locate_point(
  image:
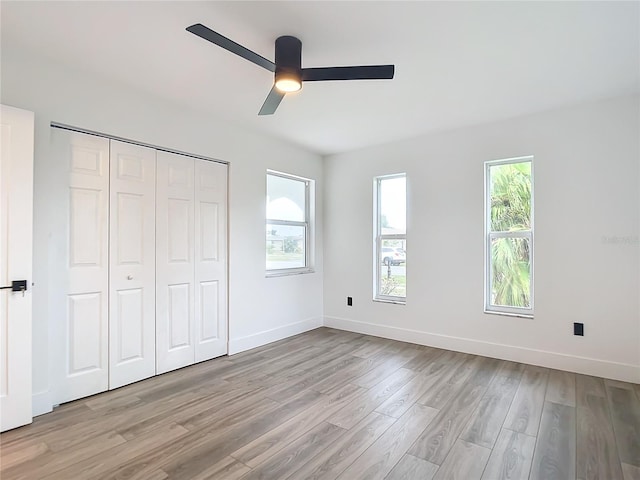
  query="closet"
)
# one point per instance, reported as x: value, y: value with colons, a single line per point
x: 147, y: 257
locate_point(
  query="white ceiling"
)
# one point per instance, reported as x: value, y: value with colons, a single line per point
x: 457, y: 63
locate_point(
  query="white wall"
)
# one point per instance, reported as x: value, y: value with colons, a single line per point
x: 260, y: 309
x: 587, y: 262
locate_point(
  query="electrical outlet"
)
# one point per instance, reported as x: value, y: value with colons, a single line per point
x: 578, y: 329
x: 349, y: 301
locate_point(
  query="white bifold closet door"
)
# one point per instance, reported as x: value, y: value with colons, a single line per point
x: 80, y: 339
x: 147, y: 264
x: 190, y: 261
x: 211, y: 259
x: 132, y: 264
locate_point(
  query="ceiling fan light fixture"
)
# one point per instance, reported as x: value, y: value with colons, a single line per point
x: 288, y: 84
x: 288, y: 74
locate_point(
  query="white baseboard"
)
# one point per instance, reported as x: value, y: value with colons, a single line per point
x: 241, y: 344
x: 589, y: 366
x: 41, y: 403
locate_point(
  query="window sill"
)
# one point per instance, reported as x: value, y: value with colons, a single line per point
x: 286, y: 273
x: 509, y: 314
x: 387, y: 300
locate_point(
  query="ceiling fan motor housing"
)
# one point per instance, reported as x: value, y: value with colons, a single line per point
x: 288, y: 58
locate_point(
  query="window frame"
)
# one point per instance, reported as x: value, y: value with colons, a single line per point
x: 306, y: 224
x: 490, y: 235
x: 379, y: 238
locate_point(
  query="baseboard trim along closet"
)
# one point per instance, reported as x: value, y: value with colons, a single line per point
x: 588, y: 366
x: 41, y: 403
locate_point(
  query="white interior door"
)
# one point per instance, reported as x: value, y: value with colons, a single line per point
x: 132, y: 264
x: 175, y: 333
x: 81, y: 345
x: 210, y: 259
x: 16, y: 237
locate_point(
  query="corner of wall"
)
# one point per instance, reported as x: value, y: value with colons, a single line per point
x: 255, y: 340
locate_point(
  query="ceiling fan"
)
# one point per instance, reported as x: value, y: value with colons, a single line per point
x: 287, y: 68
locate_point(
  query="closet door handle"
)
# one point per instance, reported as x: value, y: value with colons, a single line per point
x: 16, y: 286
x: 129, y: 277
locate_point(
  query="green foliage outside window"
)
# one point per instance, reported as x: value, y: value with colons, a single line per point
x: 511, y: 212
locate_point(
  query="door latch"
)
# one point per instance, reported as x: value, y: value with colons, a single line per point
x: 17, y: 286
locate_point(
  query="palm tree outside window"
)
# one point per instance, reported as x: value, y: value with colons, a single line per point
x: 509, y: 236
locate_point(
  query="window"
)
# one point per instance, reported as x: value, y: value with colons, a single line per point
x: 509, y: 236
x: 391, y: 238
x: 287, y: 240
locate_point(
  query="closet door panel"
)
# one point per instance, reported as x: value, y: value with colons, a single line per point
x: 174, y: 262
x: 130, y: 329
x: 209, y: 311
x: 79, y: 345
x: 211, y: 259
x: 132, y: 264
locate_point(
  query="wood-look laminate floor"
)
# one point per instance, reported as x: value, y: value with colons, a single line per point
x: 338, y: 405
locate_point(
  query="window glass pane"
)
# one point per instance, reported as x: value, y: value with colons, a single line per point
x: 393, y: 206
x: 510, y: 197
x: 285, y: 246
x: 511, y: 272
x: 285, y: 199
x: 393, y: 268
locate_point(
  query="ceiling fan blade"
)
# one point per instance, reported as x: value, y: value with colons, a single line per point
x: 365, y: 72
x: 222, y: 41
x: 271, y: 103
